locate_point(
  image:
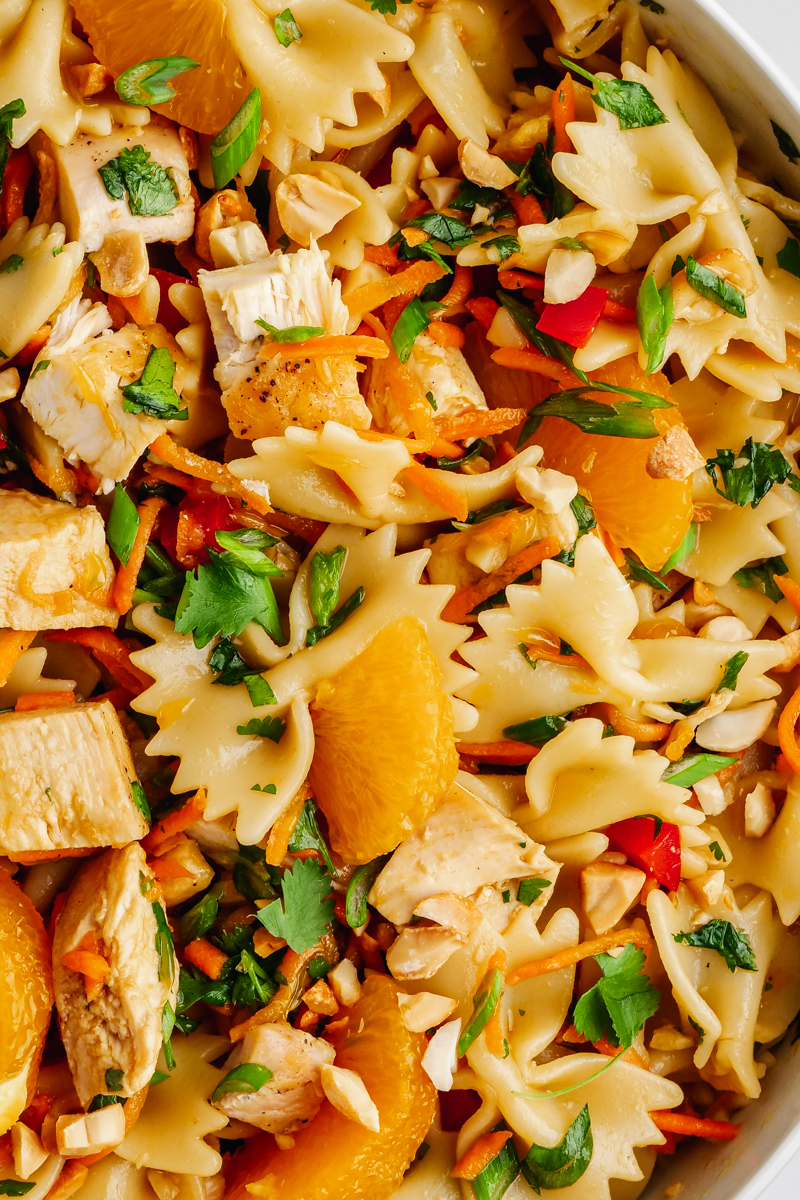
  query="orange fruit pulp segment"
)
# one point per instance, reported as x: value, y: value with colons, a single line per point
x: 334, y: 1158
x: 123, y: 34
x: 27, y: 998
x: 648, y: 516
x: 384, y: 753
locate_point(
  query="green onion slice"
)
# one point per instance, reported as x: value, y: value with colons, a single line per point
x: 146, y: 83
x: 246, y: 1078
x: 484, y: 1004
x: 234, y: 144
x: 123, y: 524
x: 359, y: 888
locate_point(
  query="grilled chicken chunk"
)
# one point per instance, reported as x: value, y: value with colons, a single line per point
x: 438, y: 371
x: 66, y: 777
x: 294, y: 1093
x: 55, y: 569
x: 116, y: 906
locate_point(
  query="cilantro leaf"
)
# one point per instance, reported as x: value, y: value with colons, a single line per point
x: 746, y: 477
x: 731, y: 673
x: 153, y: 393
x: 232, y: 668
x: 761, y: 577
x: 584, y: 515
x: 252, y: 876
x: 789, y: 257
x: 224, y: 597
x: 536, y: 176
x: 268, y: 727
x: 505, y: 245
x: 248, y: 546
x: 786, y: 143
x: 14, y: 1187
x: 714, y: 288
x: 451, y: 231
x: 12, y: 263
x: 653, y: 5
x: 147, y: 82
x: 323, y: 587
x: 564, y: 1164
x: 529, y: 890
x: 306, y: 911
x: 386, y: 6
x: 733, y: 944
x: 306, y: 835
x: 717, y: 851
x: 473, y: 195
x: 8, y: 114
x: 654, y: 314
x: 295, y: 333
x: 620, y: 1002
x: 198, y: 920
x: 114, y: 1079
x: 102, y: 1100
x: 631, y: 103
x: 149, y: 188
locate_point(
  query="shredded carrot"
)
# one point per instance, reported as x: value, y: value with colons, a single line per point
x: 110, y: 652
x: 576, y: 954
x: 477, y: 423
x: 563, y: 107
x: 415, y: 209
x: 405, y: 283
x: 437, y: 491
x: 88, y: 960
x: 781, y: 766
x: 641, y: 731
x: 392, y: 311
x: 325, y: 347
x: 12, y: 644
x: 125, y: 582
x: 504, y: 751
x: 202, y: 954
x: 205, y: 468
x: 672, y: 1122
x: 446, y: 334
x: 612, y: 547
x: 137, y: 308
x: 304, y: 527
x: 480, y: 1154
x: 631, y: 1055
x: 460, y: 288
x: 30, y: 858
x: 538, y: 364
x: 498, y: 960
x: 528, y: 209
x: 168, y: 475
x: 492, y: 532
x: 787, y: 733
x: 167, y: 868
x: 385, y: 256
x: 483, y: 309
x: 554, y: 656
x: 30, y: 701
x: 281, y: 833
x: 459, y: 607
x: 790, y: 589
x: 515, y: 280
x: 19, y: 169
x: 175, y: 822
x: 618, y: 312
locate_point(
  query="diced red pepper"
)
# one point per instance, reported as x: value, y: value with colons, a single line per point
x: 168, y: 315
x: 575, y: 322
x: 209, y: 515
x: 659, y: 855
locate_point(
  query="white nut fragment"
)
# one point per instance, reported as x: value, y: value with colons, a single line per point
x: 667, y: 1038
x: 441, y: 191
x: 759, y: 811
x: 711, y: 796
x: 607, y: 892
x: 504, y: 331
x: 483, y: 168
x: 122, y: 263
x: 309, y: 206
x: 567, y: 275
x: 548, y: 490
x: 440, y: 1060
x: 420, y: 951
x: 27, y: 1149
x: 736, y: 730
x: 425, y: 1010
x: 347, y: 1092
x: 237, y: 244
x: 725, y: 629
x: 344, y: 981
x: 78, y: 1136
x: 674, y: 456
x: 9, y: 386
x: 453, y: 912
x: 707, y: 889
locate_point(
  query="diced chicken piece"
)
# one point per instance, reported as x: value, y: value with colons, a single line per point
x: 76, y: 397
x: 441, y: 371
x: 55, y: 569
x: 421, y: 950
x: 65, y: 780
x: 425, y: 1010
x: 90, y: 213
x: 27, y: 1149
x: 344, y: 981
x: 453, y: 912
x: 309, y: 206
x: 466, y: 844
x: 607, y: 892
x: 263, y: 397
x: 120, y: 1028
x: 347, y: 1092
x: 294, y: 1094
x: 198, y: 877
x: 674, y: 456
x: 725, y: 629
x: 759, y: 811
x: 80, y: 1135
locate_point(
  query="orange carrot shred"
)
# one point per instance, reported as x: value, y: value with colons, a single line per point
x: 503, y: 751
x: 446, y: 334
x: 539, y: 364
x: 575, y: 954
x: 790, y: 589
x: 167, y: 868
x: 12, y: 645
x: 325, y: 347
x: 30, y: 701
x: 201, y: 953
x: 483, y: 309
x: 672, y: 1122
x: 409, y: 282
x: 281, y: 833
x: 111, y: 652
x: 437, y: 491
x: 125, y: 582
x: 205, y: 468
x: 787, y: 732
x: 528, y: 209
x: 459, y: 607
x: 563, y: 107
x: 480, y: 1154
x: 175, y: 822
x: 460, y: 287
x: 478, y: 423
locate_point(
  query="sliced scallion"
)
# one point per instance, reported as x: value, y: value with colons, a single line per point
x: 234, y: 144
x: 246, y: 1078
x: 146, y: 83
x: 123, y: 524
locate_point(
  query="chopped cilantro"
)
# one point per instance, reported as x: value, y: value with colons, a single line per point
x: 789, y: 257
x: 269, y: 788
x: 114, y: 1079
x: 149, y: 188
x: 505, y: 245
x: 731, y: 673
x: 306, y: 910
x: 717, y: 851
x: 529, y: 890
x: 631, y: 103
x: 198, y: 920
x: 733, y: 944
x: 8, y: 114
x: 786, y: 143
x: 227, y: 594
x: 618, y: 1005
x: 640, y: 572
x: 153, y: 393
x: 653, y: 5
x: 268, y: 727
x: 564, y: 1164
x: 12, y: 263
x: 232, y: 668
x: 701, y: 1033
x: 746, y: 477
x: 761, y: 577
x: 306, y: 835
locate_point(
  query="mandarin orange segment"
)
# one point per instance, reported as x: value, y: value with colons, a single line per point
x: 648, y: 516
x: 334, y: 1158
x: 375, y: 790
x: 123, y: 34
x: 27, y: 980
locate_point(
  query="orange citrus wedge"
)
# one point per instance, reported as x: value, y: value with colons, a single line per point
x: 27, y: 998
x: 385, y: 754
x: 334, y: 1158
x: 648, y: 516
x: 123, y: 34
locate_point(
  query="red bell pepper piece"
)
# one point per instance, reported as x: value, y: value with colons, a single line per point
x: 168, y: 315
x: 658, y: 854
x: 209, y: 515
x: 575, y: 322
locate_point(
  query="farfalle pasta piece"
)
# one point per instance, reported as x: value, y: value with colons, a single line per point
x: 581, y: 781
x: 337, y: 55
x: 771, y: 861
x: 33, y: 291
x: 114, y: 1176
x: 608, y: 232
x: 719, y: 416
x: 736, y: 536
x: 722, y: 1003
x: 581, y: 27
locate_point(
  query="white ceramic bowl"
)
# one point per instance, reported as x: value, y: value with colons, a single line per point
x: 751, y: 90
